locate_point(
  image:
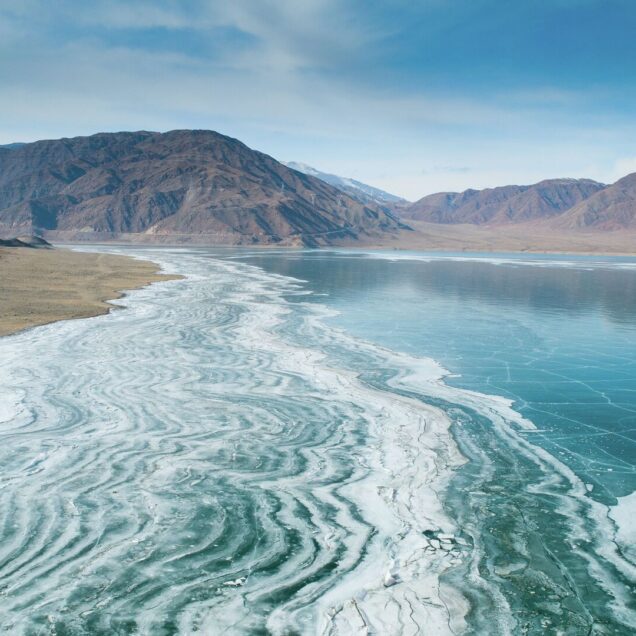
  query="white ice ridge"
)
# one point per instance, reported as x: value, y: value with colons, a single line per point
x: 205, y: 460
x: 623, y: 514
x: 559, y: 261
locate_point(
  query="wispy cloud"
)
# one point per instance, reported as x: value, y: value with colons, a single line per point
x: 397, y: 93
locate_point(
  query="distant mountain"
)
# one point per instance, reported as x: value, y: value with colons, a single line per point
x: 356, y: 189
x: 188, y: 184
x: 503, y: 205
x: 17, y: 144
x: 612, y: 208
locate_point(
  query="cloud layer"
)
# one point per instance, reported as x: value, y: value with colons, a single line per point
x: 412, y: 99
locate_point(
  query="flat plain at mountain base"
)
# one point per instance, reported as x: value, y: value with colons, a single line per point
x: 524, y: 237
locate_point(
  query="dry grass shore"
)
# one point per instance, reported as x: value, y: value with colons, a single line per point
x: 42, y: 286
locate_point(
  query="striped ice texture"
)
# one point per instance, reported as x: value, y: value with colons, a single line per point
x: 218, y: 459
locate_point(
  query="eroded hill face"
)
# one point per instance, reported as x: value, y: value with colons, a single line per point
x: 186, y: 184
x: 612, y: 208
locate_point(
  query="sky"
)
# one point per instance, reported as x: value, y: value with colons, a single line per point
x: 412, y: 96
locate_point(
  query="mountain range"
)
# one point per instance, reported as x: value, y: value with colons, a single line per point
x: 193, y: 185
x: 559, y: 203
x: 201, y: 186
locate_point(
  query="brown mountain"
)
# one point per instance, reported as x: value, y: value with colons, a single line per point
x: 190, y: 184
x: 503, y: 205
x: 612, y: 208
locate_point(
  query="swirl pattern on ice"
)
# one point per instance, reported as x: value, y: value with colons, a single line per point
x: 180, y: 467
x: 218, y: 459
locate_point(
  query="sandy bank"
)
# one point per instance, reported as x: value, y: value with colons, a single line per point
x: 42, y: 286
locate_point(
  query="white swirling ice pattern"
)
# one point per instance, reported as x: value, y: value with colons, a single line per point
x: 182, y: 466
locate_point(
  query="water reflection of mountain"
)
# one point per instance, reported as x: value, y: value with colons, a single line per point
x: 611, y: 291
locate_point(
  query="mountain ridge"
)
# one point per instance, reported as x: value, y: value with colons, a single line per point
x: 202, y: 186
x: 503, y: 205
x: 609, y: 209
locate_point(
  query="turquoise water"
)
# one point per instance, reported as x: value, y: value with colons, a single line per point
x: 271, y: 446
x: 557, y: 336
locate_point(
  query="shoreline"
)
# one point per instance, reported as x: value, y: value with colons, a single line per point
x: 529, y: 237
x: 39, y: 287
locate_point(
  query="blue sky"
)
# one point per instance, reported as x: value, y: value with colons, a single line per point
x: 411, y: 96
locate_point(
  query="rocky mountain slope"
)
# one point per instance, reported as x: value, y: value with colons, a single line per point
x: 357, y: 190
x: 503, y: 205
x: 612, y: 208
x: 185, y: 184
